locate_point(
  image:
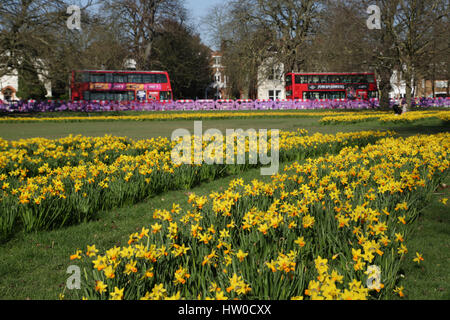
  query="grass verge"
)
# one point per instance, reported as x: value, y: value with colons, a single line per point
x: 430, y: 279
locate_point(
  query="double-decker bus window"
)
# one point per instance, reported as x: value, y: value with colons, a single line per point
x: 110, y: 96
x: 299, y: 79
x: 355, y: 79
x: 372, y: 94
x: 288, y: 80
x: 120, y: 78
x: 109, y: 77
x: 336, y: 95
x: 314, y: 95
x: 370, y: 78
x: 121, y: 96
x: 311, y: 95
x: 97, y: 96
x: 360, y: 79
x: 165, y: 95
x: 315, y: 79
x: 97, y: 77
x: 148, y: 78
x: 334, y: 79
x: 82, y: 77
x: 323, y: 79
x: 161, y: 78
x: 135, y: 78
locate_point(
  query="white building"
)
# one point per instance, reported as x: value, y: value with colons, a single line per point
x: 220, y: 79
x: 398, y: 85
x: 9, y: 85
x: 271, y: 83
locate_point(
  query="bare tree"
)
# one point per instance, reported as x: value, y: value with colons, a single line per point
x: 340, y: 41
x: 217, y: 24
x: 437, y: 65
x: 253, y: 32
x: 25, y: 31
x: 32, y: 34
x: 405, y: 40
x: 413, y: 36
x: 139, y: 20
x: 292, y: 24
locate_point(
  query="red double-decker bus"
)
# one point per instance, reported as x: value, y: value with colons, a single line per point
x: 120, y: 85
x: 314, y: 86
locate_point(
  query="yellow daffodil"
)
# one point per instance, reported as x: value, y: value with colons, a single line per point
x: 418, y: 258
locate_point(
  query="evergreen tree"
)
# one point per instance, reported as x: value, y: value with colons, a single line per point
x: 30, y: 87
x: 180, y: 52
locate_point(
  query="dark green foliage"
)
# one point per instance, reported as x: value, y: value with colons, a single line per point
x: 30, y: 86
x: 180, y: 52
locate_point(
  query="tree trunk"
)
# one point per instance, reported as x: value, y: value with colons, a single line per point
x: 433, y: 87
x: 408, y: 89
x: 385, y: 88
x: 406, y: 107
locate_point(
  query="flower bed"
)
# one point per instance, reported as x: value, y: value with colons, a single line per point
x: 183, y: 105
x: 334, y: 227
x: 408, y: 117
x: 46, y: 184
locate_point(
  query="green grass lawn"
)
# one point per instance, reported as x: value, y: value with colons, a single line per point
x: 33, y: 266
x: 431, y: 237
x: 149, y: 129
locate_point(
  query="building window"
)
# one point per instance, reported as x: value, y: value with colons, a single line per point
x: 275, y: 74
x: 274, y: 94
x: 441, y: 84
x: 217, y: 60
